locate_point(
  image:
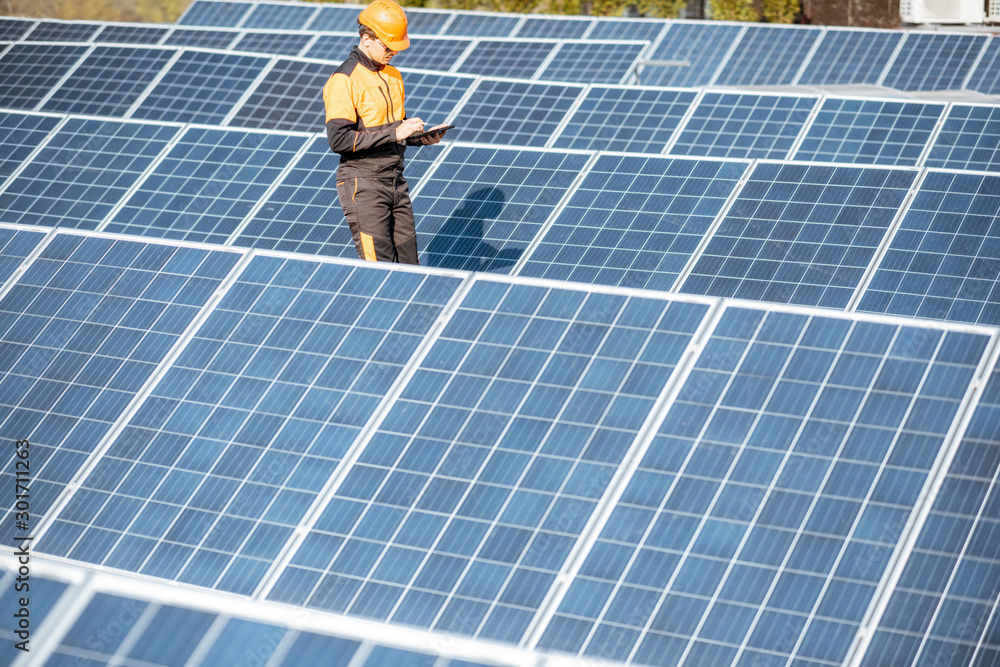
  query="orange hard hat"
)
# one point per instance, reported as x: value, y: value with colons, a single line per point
x: 388, y: 22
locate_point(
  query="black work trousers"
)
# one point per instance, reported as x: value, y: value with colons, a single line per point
x: 380, y: 215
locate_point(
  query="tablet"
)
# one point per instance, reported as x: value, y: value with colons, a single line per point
x: 421, y: 135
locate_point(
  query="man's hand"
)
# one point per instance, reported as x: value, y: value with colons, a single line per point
x: 408, y: 127
x: 433, y: 138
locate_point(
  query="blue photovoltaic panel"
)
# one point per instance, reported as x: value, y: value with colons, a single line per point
x: 284, y: 43
x: 944, y: 262
x: 15, y: 246
x: 744, y: 125
x: 332, y: 18
x: 767, y: 56
x: 200, y: 87
x: 83, y: 329
x: 431, y: 97
x: 28, y: 72
x: 943, y: 610
x: 625, y: 119
x: 984, y: 78
x: 131, y: 34
x: 869, y: 132
x: 766, y: 509
x: 108, y: 81
x: 483, y: 24
x: 56, y: 31
x: 283, y: 16
x: 634, y: 221
x: 208, y: 480
x: 209, y: 39
x: 514, y: 112
x: 465, y: 503
x: 511, y: 58
x: 481, y: 207
x: 800, y: 233
x: 555, y: 28
x: 83, y: 172
x: 850, y: 57
x: 592, y: 62
x: 969, y: 139
x: 930, y: 61
x: 334, y: 48
x: 701, y: 44
x: 318, y: 649
x: 607, y: 28
x: 303, y: 214
x: 14, y: 29
x: 431, y: 53
x: 206, y: 185
x: 425, y: 23
x: 42, y: 595
x: 215, y: 13
x: 20, y: 135
x: 290, y: 97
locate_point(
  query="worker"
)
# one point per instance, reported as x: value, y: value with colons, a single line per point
x: 366, y: 125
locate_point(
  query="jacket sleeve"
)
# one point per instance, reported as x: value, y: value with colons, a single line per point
x: 342, y: 120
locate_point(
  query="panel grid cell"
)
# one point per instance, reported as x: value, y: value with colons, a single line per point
x: 703, y: 45
x: 506, y: 58
x: 432, y: 97
x: 431, y: 53
x: 208, y: 480
x: 425, y: 22
x: 984, y: 79
x: 634, y: 221
x: 846, y: 57
x: 14, y: 29
x: 83, y: 329
x: 944, y: 262
x: 869, y: 132
x: 332, y: 18
x: 943, y: 610
x: 644, y: 29
x: 553, y: 28
x: 131, y: 34
x: 209, y: 39
x: 108, y: 81
x: 744, y: 126
x: 289, y: 98
x: 930, y: 61
x: 800, y: 233
x: 765, y: 512
x: 465, y: 503
x: 335, y: 48
x: 200, y: 87
x: 206, y: 185
x: 625, y: 119
x: 593, y: 62
x: 215, y: 13
x: 482, y: 207
x: 283, y: 16
x: 20, y: 135
x: 59, y: 31
x: 482, y: 24
x: 518, y: 113
x: 969, y: 139
x: 28, y: 72
x: 767, y: 56
x: 281, y: 43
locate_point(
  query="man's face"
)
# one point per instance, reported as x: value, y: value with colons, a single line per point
x: 376, y: 50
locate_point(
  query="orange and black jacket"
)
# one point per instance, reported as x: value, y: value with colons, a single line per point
x: 364, y: 104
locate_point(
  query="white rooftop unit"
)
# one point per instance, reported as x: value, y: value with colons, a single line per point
x: 945, y: 11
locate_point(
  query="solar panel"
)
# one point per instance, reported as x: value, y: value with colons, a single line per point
x: 934, y: 61
x: 744, y: 125
x: 553, y: 28
x: 334, y: 18
x: 514, y: 112
x: 200, y: 87
x: 593, y: 62
x: 703, y: 45
x: 481, y: 207
x: 869, y: 131
x: 14, y: 29
x: 942, y: 261
x: 969, y: 139
x: 15, y: 246
x: 109, y: 80
x: 248, y: 425
x: 466, y: 501
x: 509, y: 58
x: 764, y: 512
x: 432, y: 97
x: 983, y: 78
x: 283, y: 43
x: 62, y: 31
x: 215, y: 13
x: 206, y: 185
x: 303, y: 213
x: 29, y: 71
x: 800, y: 233
x: 284, y: 16
x: 332, y: 47
x: 425, y: 22
x: 634, y: 119
x: 483, y: 24
x: 209, y: 39
x: 83, y: 329
x: 83, y: 172
x: 634, y: 221
x: 20, y: 135
x: 436, y: 53
x: 44, y: 593
x: 131, y: 34
x: 850, y: 57
x: 767, y: 56
x: 943, y: 609
x: 288, y: 98
x: 610, y: 28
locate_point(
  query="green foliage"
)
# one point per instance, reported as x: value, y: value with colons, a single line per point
x: 733, y: 10
x: 663, y: 9
x: 780, y: 11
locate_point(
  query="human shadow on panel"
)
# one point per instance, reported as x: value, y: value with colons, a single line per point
x: 459, y: 242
